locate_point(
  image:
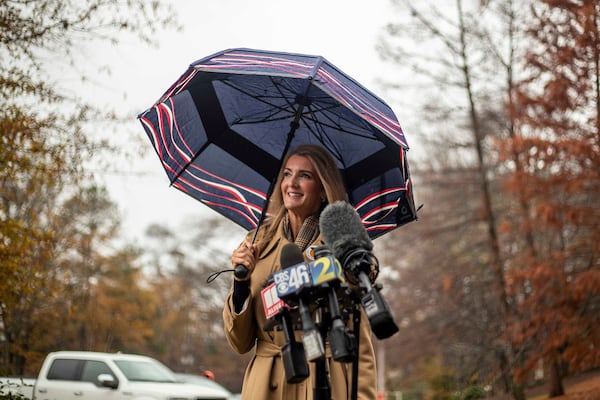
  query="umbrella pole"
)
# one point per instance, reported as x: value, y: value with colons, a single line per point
x: 240, y: 271
x: 293, y: 126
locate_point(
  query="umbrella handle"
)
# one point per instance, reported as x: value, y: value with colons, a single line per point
x: 240, y: 271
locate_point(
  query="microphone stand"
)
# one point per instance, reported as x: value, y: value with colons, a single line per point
x: 354, y: 306
x: 356, y: 326
x: 322, y: 388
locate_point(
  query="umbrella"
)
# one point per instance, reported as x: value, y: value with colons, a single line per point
x: 222, y: 129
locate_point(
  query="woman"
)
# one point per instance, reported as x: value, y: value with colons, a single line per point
x: 308, y: 180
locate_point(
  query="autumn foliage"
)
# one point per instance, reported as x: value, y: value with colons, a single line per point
x: 554, y: 267
x: 502, y: 280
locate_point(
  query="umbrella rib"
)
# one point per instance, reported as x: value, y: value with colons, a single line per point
x: 333, y: 125
x: 290, y: 109
x: 263, y: 99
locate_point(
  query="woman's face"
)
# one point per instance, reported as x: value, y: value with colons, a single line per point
x: 300, y: 187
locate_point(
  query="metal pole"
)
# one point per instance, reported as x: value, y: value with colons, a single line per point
x: 380, y: 371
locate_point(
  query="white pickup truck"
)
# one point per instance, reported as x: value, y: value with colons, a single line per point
x: 70, y: 375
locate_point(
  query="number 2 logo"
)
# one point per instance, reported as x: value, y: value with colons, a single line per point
x: 326, y: 269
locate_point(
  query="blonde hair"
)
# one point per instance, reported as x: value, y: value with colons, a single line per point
x: 329, y: 177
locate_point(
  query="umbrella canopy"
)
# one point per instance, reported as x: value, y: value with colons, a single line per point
x: 222, y: 129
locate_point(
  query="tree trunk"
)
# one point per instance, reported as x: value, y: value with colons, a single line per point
x: 556, y: 384
x: 518, y: 391
x: 507, y: 359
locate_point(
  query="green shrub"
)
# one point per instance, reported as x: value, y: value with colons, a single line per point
x: 473, y: 393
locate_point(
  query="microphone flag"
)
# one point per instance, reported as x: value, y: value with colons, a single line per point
x: 271, y: 302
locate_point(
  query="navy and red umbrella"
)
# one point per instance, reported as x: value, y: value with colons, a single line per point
x: 223, y: 128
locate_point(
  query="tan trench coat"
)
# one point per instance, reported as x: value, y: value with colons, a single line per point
x: 265, y: 376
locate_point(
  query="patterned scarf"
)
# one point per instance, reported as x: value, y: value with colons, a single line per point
x: 308, y: 232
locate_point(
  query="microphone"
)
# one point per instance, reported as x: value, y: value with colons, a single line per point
x: 347, y: 238
x: 292, y: 283
x: 327, y: 271
x: 292, y: 353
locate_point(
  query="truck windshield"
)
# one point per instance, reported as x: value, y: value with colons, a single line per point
x: 145, y: 371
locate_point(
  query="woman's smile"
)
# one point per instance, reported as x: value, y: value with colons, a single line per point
x: 301, y: 187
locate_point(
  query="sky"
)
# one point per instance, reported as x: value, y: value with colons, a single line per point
x: 345, y: 32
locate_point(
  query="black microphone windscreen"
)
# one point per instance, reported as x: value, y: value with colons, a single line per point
x: 342, y: 229
x: 290, y: 255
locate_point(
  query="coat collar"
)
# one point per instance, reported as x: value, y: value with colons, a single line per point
x: 279, y: 239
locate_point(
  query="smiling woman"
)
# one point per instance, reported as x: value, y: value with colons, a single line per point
x: 307, y: 182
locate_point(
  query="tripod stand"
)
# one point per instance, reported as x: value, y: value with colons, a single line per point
x: 343, y: 345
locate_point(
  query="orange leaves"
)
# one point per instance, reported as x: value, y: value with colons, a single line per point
x: 557, y: 96
x: 447, y: 283
x: 586, y: 285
